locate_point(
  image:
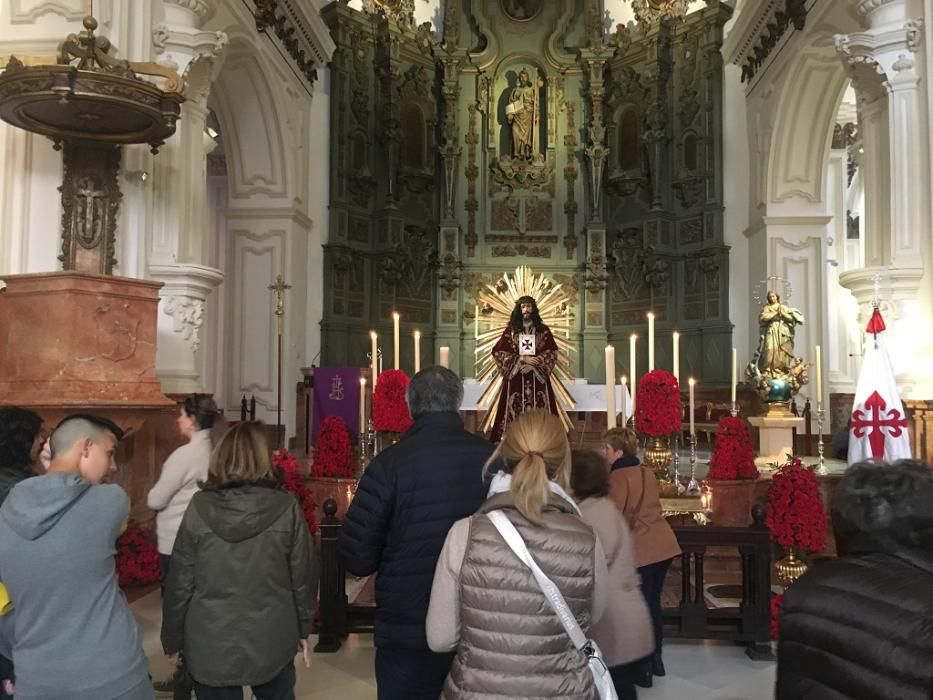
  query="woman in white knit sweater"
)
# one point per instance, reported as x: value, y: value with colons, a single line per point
x: 172, y: 493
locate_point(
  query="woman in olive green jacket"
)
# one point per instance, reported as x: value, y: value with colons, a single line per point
x: 240, y: 595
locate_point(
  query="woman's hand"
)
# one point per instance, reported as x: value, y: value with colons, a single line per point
x: 305, y: 652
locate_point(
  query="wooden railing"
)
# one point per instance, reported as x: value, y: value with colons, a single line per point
x: 748, y: 624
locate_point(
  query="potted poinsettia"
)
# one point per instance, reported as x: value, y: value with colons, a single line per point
x: 732, y: 473
x: 333, y: 469
x: 390, y: 409
x: 657, y: 415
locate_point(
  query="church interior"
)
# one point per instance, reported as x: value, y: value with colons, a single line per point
x: 274, y: 202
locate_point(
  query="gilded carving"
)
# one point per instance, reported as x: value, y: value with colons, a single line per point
x: 539, y: 215
x: 525, y: 251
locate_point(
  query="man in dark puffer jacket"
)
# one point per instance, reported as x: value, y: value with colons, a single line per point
x: 408, y: 498
x: 861, y: 626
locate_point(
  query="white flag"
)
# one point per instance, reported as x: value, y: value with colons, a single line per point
x: 878, y: 424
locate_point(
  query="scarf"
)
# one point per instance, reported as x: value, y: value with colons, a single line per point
x: 502, y: 483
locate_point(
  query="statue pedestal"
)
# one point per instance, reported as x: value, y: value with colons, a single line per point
x: 76, y: 343
x: 776, y: 437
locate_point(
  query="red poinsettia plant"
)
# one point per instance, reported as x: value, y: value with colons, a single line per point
x: 333, y: 455
x: 733, y: 455
x: 657, y: 404
x: 795, y: 514
x: 390, y: 409
x: 293, y: 482
x: 137, y: 556
x: 777, y: 607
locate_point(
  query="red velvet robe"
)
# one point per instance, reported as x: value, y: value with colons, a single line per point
x: 523, y: 392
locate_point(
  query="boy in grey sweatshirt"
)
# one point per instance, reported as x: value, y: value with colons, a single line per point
x: 74, y: 635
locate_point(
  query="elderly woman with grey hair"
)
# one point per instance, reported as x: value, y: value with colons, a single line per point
x: 861, y: 626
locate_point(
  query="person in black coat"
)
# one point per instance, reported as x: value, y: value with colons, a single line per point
x: 861, y: 626
x: 408, y: 498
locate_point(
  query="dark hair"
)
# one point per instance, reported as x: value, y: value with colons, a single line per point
x: 589, y: 474
x: 202, y: 408
x: 516, y: 319
x: 887, y: 503
x: 85, y: 425
x: 434, y: 389
x: 19, y: 428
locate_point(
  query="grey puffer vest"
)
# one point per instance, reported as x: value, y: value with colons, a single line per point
x: 511, y: 643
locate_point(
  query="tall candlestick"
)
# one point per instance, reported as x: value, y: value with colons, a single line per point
x: 735, y: 374
x: 374, y: 357
x: 445, y: 356
x: 676, y: 338
x: 692, y: 382
x: 819, y: 376
x: 476, y: 322
x: 624, y: 383
x: 631, y: 368
x: 650, y: 341
x: 610, y: 387
x: 417, y: 351
x: 362, y: 404
x: 395, y: 337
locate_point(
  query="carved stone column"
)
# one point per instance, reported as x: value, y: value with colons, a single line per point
x: 882, y: 64
x: 177, y: 246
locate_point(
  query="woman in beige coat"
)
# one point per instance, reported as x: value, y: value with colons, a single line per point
x: 485, y: 603
x: 634, y: 489
x: 624, y: 634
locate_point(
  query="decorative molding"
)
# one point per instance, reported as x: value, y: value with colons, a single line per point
x: 188, y: 314
x: 303, y: 34
x: 203, y: 9
x: 26, y: 12
x: 772, y: 27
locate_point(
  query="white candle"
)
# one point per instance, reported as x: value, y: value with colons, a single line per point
x: 395, y: 337
x: 476, y: 322
x: 692, y: 382
x: 650, y: 341
x: 417, y: 351
x: 819, y: 377
x: 375, y: 357
x: 676, y: 337
x: 631, y: 368
x: 610, y: 387
x: 624, y: 383
x: 735, y: 373
x: 362, y: 404
x: 445, y: 356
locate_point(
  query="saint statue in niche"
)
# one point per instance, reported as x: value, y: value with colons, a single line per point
x: 521, y: 112
x: 521, y: 10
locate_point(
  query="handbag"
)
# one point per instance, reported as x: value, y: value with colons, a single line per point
x: 587, y: 647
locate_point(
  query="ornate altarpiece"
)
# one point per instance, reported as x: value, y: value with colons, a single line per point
x: 527, y: 132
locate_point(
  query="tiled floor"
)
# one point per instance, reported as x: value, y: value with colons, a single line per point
x: 696, y: 670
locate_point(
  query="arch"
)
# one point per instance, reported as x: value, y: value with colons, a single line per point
x: 248, y: 111
x: 803, y: 128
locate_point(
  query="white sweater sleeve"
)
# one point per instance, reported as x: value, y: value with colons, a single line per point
x: 442, y: 625
x: 175, y: 474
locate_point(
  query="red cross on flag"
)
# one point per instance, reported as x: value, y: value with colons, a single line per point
x: 878, y: 425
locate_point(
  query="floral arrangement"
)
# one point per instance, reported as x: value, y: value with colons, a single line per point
x: 294, y: 483
x: 733, y: 455
x: 390, y: 410
x: 657, y: 404
x: 333, y: 456
x: 777, y: 607
x: 137, y: 556
x: 795, y: 514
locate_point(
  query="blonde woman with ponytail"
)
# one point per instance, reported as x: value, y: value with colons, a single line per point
x: 485, y: 603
